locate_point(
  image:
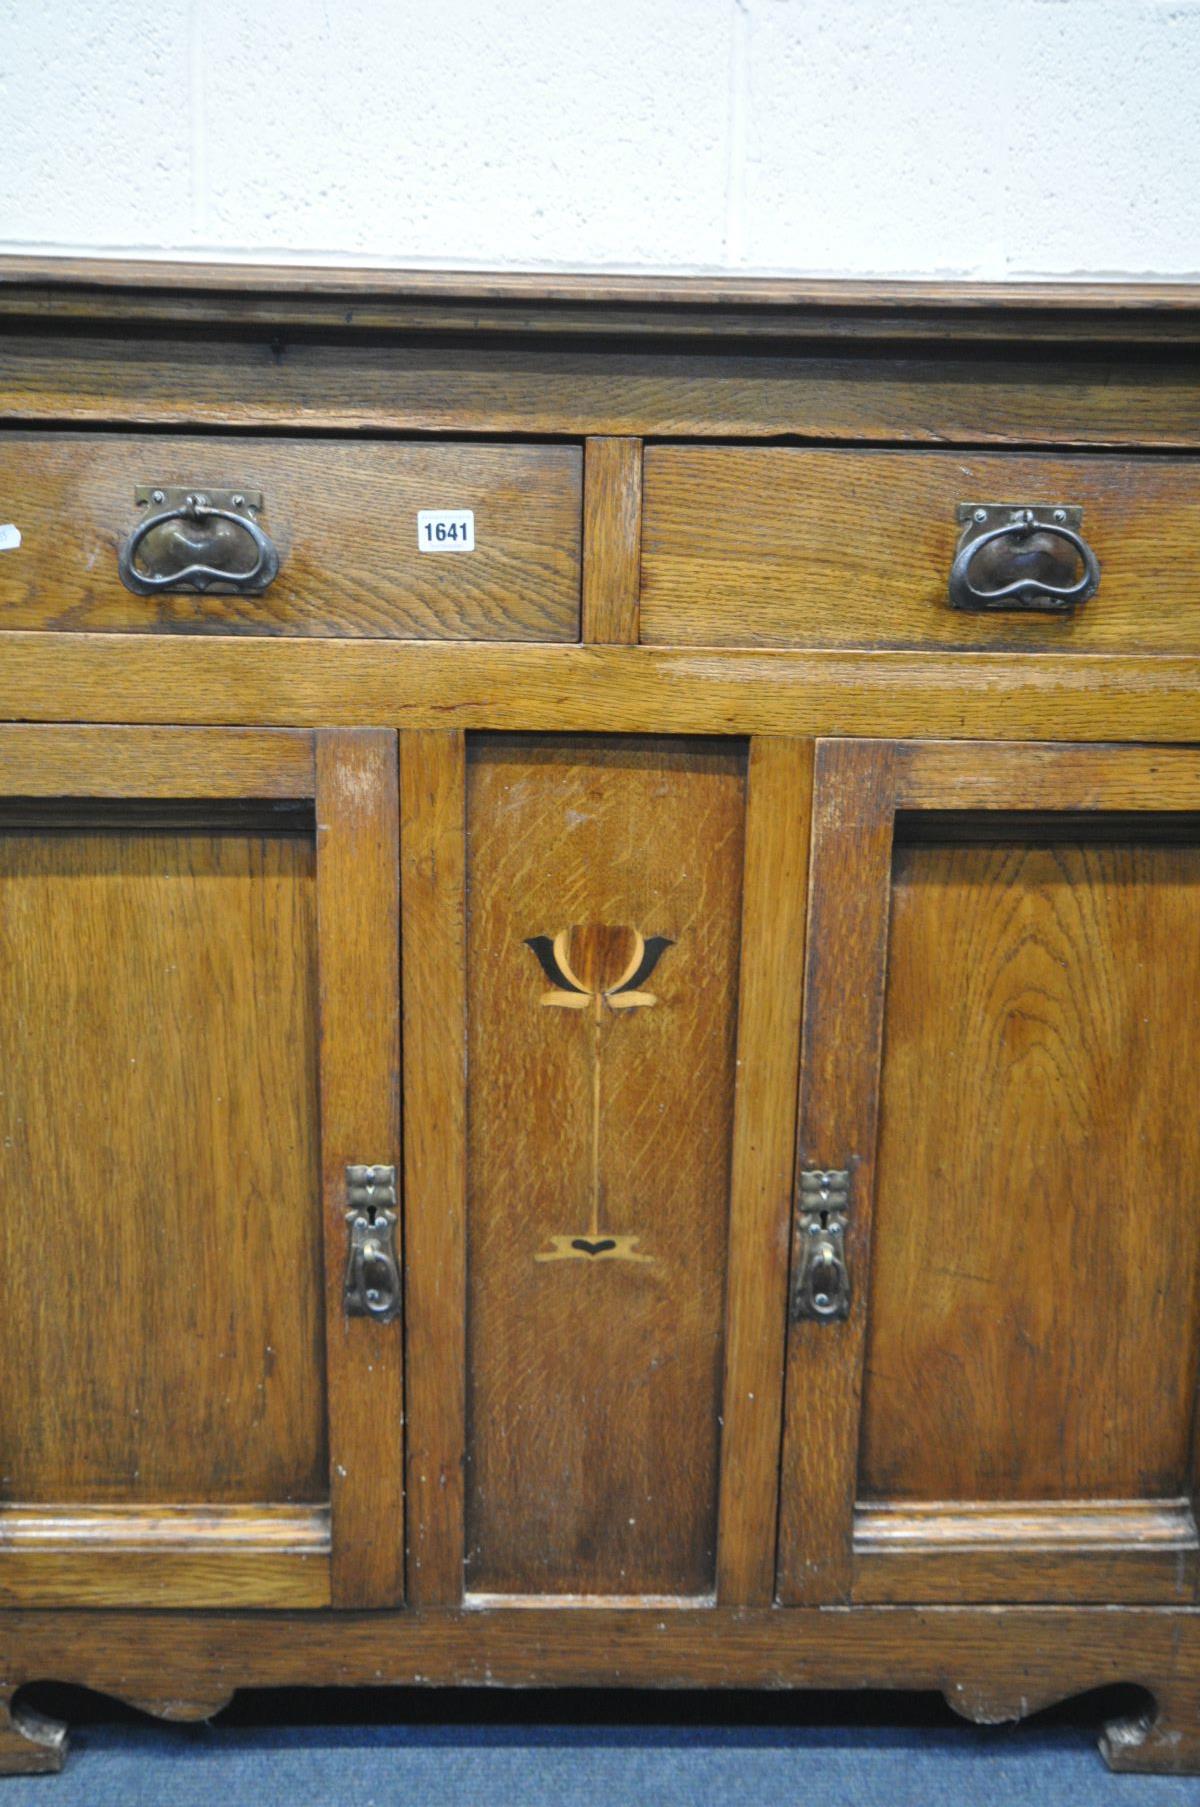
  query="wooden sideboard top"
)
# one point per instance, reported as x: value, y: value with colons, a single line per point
x: 627, y: 306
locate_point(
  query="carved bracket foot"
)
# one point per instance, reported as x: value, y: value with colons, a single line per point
x: 994, y: 1702
x: 187, y: 1710
x: 1164, y: 1740
x: 29, y: 1744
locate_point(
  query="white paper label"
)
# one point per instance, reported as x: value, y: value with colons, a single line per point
x: 10, y: 538
x: 446, y: 529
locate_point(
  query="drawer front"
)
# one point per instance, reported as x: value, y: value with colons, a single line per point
x: 342, y: 516
x: 783, y: 547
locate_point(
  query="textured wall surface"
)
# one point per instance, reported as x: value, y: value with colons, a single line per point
x: 986, y: 138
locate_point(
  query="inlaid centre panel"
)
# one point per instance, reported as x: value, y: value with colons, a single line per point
x: 604, y: 890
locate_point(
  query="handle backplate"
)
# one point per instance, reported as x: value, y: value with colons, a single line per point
x: 1012, y: 555
x: 821, y: 1278
x: 197, y: 539
x: 372, y: 1284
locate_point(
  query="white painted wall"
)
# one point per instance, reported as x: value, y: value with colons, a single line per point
x: 984, y: 138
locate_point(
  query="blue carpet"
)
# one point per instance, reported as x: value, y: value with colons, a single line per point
x: 420, y: 1750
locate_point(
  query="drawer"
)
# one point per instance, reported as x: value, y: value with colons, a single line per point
x: 775, y: 546
x: 341, y: 514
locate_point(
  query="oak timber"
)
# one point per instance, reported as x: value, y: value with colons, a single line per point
x: 599, y: 1148
x: 433, y: 938
x: 770, y: 999
x: 612, y: 537
x: 262, y: 383
x: 992, y: 1663
x: 342, y: 516
x: 605, y: 689
x: 783, y: 547
x: 1033, y: 862
x: 371, y: 299
x: 358, y: 905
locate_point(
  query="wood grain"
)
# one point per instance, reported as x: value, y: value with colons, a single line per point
x: 359, y: 915
x: 888, y: 1525
x: 770, y: 993
x: 433, y: 895
x: 105, y: 285
x: 343, y: 517
x: 993, y: 1663
x: 270, y: 382
x: 171, y: 764
x: 843, y: 1026
x: 161, y: 1334
x: 1032, y: 974
x: 1063, y: 315
x: 612, y: 539
x: 783, y: 547
x: 1013, y: 1660
x: 249, y: 1580
x: 594, y: 1384
x: 1109, y: 1575
x: 848, y: 551
x: 994, y: 1551
x: 980, y: 697
x: 193, y: 1529
x: 1031, y: 776
x: 1038, y: 1043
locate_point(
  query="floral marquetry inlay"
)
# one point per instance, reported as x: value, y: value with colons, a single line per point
x: 598, y: 967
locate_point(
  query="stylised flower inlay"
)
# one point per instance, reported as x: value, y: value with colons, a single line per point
x: 598, y: 961
x: 603, y: 966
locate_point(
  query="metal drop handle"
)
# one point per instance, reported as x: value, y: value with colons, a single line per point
x: 214, y: 513
x: 993, y: 528
x: 821, y: 1286
x: 372, y: 1284
x: 826, y: 1281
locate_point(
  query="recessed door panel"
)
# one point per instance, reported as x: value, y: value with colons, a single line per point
x: 1032, y: 1326
x: 162, y: 1335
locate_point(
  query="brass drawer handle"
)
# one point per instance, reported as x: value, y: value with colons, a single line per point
x: 194, y: 539
x: 1031, y: 551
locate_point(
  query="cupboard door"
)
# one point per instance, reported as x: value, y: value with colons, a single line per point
x: 188, y: 1417
x: 598, y: 1269
x: 1000, y: 1047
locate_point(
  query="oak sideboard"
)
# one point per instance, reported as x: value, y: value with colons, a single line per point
x: 599, y: 975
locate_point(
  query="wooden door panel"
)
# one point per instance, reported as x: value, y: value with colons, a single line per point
x: 187, y: 1417
x: 161, y: 1333
x: 604, y: 895
x: 1007, y: 1413
x: 1035, y: 1245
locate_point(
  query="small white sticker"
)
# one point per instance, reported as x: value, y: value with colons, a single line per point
x: 446, y: 529
x: 10, y: 538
